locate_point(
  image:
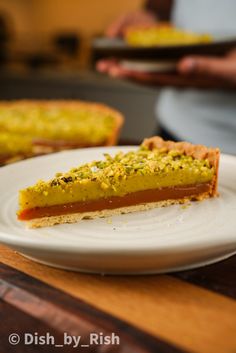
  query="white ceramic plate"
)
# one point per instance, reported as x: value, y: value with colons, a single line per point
x: 148, y: 66
x: 159, y: 240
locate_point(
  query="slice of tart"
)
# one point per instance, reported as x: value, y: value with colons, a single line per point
x: 163, y: 35
x: 159, y: 173
x: 49, y: 126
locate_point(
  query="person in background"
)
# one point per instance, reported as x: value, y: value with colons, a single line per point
x: 5, y: 36
x: 207, y: 117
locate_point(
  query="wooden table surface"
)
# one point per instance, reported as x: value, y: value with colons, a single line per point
x: 191, y: 311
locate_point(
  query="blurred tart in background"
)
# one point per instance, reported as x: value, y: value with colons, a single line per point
x: 163, y: 34
x: 29, y: 128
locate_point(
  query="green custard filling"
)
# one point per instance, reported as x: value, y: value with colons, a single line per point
x: 57, y: 123
x: 117, y: 176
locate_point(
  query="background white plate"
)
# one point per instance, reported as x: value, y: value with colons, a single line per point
x: 159, y: 240
x: 148, y: 66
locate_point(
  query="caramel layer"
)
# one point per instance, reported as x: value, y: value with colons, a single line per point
x: 140, y: 197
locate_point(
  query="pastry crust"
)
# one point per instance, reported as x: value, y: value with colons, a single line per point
x: 196, y: 151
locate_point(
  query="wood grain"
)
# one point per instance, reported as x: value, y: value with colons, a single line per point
x: 15, y: 321
x: 220, y: 277
x: 179, y: 312
x: 42, y: 308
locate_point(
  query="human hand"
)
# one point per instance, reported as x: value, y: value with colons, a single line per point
x: 117, y: 29
x: 112, y: 68
x: 119, y: 26
x: 222, y: 68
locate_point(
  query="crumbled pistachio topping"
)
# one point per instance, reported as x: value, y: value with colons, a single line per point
x: 108, y: 173
x: 51, y: 122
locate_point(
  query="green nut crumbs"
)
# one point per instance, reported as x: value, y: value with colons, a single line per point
x: 108, y: 173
